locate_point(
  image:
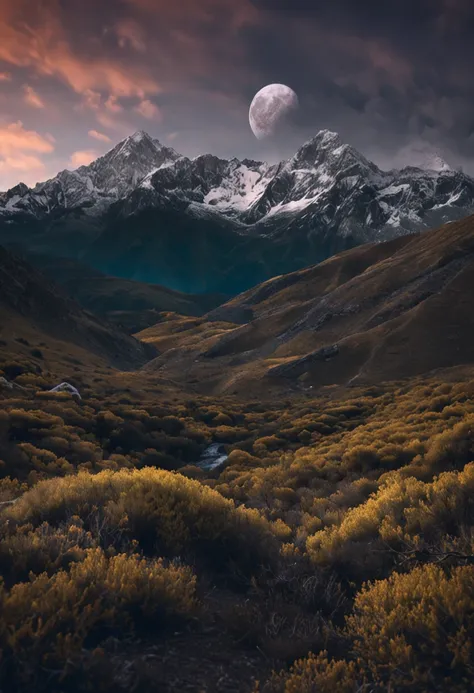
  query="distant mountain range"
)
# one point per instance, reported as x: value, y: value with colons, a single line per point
x: 144, y: 212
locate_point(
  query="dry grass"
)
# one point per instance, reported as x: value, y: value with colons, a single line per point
x: 395, y: 310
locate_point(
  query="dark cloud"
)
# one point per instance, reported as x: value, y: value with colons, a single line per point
x: 393, y: 77
x: 369, y: 16
x: 381, y: 72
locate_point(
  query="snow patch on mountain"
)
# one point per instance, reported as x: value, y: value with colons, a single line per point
x: 327, y: 185
x: 96, y: 186
x: 241, y: 187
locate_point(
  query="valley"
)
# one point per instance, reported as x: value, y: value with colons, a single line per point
x: 236, y: 346
x: 237, y: 473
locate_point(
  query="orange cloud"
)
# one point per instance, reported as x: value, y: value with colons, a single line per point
x: 5, y: 77
x: 82, y: 158
x: 112, y: 104
x: 30, y: 169
x: 91, y: 99
x: 19, y: 150
x: 42, y: 44
x: 99, y: 136
x: 108, y: 122
x: 14, y: 138
x: 32, y: 98
x: 21, y: 162
x: 149, y: 110
x: 101, y: 74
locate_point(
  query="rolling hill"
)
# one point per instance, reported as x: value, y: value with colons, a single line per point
x: 34, y: 312
x: 377, y: 312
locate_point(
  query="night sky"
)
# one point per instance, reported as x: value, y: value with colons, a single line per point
x: 394, y: 78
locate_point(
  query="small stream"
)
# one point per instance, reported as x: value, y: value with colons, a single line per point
x: 212, y: 457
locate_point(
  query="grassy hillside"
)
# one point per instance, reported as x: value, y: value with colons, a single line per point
x: 374, y: 313
x: 39, y: 321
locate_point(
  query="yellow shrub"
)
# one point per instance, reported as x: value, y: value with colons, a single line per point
x: 222, y: 419
x: 452, y: 448
x: 43, y: 456
x: 316, y: 674
x: 265, y: 443
x: 11, y: 488
x: 166, y: 513
x: 48, y: 620
x: 416, y: 628
x: 402, y: 510
x: 44, y: 549
x: 241, y: 458
x: 285, y: 494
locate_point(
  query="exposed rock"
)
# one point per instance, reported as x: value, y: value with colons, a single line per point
x: 66, y: 387
x: 8, y: 385
x: 296, y: 368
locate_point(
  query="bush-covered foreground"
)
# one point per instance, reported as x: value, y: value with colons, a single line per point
x: 334, y: 547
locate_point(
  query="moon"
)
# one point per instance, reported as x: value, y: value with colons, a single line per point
x: 270, y: 107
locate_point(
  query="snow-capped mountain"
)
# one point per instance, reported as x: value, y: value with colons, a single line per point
x: 326, y: 184
x: 324, y: 199
x: 92, y: 187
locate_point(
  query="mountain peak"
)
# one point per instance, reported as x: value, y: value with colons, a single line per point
x: 435, y: 162
x: 143, y: 145
x: 138, y: 140
x: 327, y: 153
x: 328, y: 139
x: 316, y: 150
x: 21, y: 189
x: 139, y: 135
x: 324, y: 140
x: 111, y: 176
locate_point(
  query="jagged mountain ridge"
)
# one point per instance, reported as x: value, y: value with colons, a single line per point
x: 96, y: 186
x: 248, y: 191
x: 326, y: 198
